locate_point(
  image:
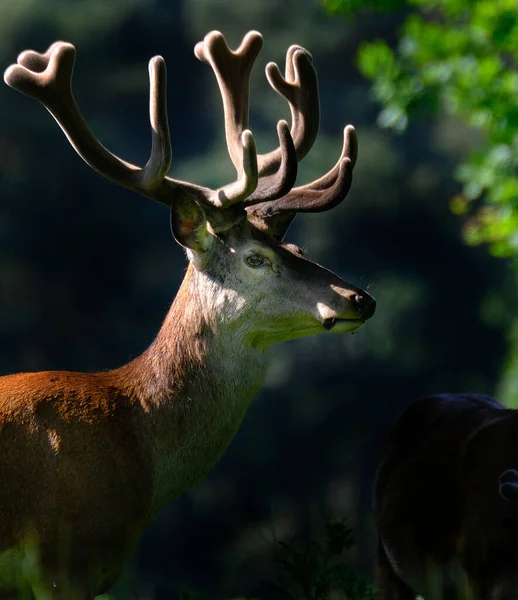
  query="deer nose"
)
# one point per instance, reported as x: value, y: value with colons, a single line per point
x: 365, y: 304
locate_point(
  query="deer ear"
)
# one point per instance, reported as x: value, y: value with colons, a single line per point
x: 189, y: 224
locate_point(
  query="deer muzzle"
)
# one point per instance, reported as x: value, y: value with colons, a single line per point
x: 363, y: 308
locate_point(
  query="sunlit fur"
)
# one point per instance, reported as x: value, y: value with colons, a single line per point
x: 87, y: 460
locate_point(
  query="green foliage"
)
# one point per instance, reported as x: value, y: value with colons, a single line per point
x: 460, y: 56
x: 316, y: 571
x: 348, y: 6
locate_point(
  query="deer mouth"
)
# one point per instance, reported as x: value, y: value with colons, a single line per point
x: 342, y: 325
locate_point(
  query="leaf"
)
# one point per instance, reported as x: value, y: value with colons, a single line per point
x: 461, y: 57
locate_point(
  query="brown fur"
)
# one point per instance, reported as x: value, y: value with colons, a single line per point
x: 88, y: 459
x: 75, y: 452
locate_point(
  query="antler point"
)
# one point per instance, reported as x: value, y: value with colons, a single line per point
x: 274, y: 75
x: 252, y: 36
x: 61, y: 48
x: 213, y: 38
x: 202, y: 49
x: 294, y: 50
x: 156, y: 62
x: 199, y: 51
x: 301, y: 54
x: 247, y: 139
x: 282, y: 126
x: 8, y: 74
x: 213, y: 34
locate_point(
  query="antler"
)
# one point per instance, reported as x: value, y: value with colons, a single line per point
x: 300, y: 88
x: 47, y: 78
x: 320, y: 195
x: 274, y: 203
x: 277, y: 169
x: 263, y: 182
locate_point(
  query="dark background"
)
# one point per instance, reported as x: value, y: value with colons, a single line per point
x: 88, y: 270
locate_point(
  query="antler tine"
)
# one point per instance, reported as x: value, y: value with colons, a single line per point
x: 47, y: 78
x: 320, y: 195
x: 324, y: 183
x: 160, y: 158
x: 300, y: 88
x: 282, y: 181
x: 232, y: 70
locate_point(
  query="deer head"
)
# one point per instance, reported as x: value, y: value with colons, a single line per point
x: 233, y: 235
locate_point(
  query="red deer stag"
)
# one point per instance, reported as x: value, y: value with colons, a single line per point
x: 72, y: 445
x: 446, y: 502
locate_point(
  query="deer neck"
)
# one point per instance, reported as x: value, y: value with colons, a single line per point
x: 193, y: 385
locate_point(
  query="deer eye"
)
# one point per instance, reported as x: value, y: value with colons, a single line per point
x: 255, y: 260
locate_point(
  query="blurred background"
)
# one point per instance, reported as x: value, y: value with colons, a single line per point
x: 88, y: 270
